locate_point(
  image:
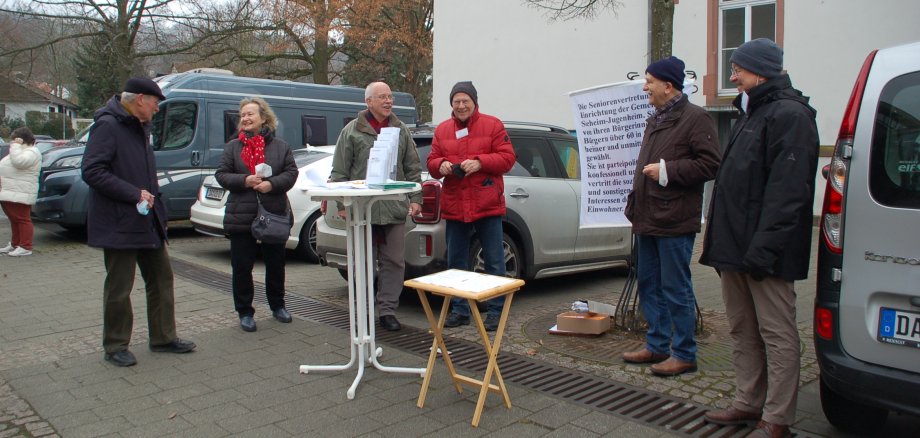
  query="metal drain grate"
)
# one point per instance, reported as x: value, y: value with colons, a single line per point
x: 632, y: 403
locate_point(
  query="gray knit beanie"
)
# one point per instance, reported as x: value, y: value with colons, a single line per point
x: 761, y: 56
x: 465, y: 87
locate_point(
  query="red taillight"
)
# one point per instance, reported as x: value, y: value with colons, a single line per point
x: 431, y: 203
x: 322, y: 207
x: 832, y: 212
x: 428, y: 245
x: 824, y: 323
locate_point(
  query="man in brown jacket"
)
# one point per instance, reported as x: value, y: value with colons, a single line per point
x: 679, y: 153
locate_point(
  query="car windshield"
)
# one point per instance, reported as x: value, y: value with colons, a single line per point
x: 304, y: 157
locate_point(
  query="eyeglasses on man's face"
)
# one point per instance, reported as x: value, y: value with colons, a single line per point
x: 384, y: 97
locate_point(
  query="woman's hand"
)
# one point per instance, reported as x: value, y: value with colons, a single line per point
x: 263, y: 187
x: 252, y: 181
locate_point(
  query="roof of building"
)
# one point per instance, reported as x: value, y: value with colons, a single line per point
x: 15, y: 91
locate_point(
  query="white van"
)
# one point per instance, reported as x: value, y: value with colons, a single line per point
x: 867, y: 305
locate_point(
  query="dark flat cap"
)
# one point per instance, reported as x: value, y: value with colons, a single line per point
x: 146, y: 86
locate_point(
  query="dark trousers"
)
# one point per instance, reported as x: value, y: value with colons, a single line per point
x: 118, y: 315
x: 459, y: 238
x: 243, y: 250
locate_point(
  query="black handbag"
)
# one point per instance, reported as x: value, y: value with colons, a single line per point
x: 269, y: 227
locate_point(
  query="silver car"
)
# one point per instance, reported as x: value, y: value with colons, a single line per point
x: 541, y: 233
x: 867, y: 305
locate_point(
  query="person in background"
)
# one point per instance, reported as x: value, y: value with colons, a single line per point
x: 18, y: 190
x: 127, y: 219
x: 679, y: 153
x: 388, y: 219
x: 471, y: 151
x: 256, y: 144
x: 758, y: 236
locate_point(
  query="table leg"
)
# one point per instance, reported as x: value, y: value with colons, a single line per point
x: 492, y: 349
x: 352, y: 315
x: 436, y: 343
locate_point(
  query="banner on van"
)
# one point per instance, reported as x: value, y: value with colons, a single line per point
x: 610, y: 123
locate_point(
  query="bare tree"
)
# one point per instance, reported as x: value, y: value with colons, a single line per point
x: 661, y: 11
x: 392, y: 40
x: 117, y: 38
x: 572, y: 9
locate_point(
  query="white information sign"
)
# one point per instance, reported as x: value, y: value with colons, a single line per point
x: 610, y: 123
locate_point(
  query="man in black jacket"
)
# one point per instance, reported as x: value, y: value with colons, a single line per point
x: 759, y: 236
x: 127, y: 219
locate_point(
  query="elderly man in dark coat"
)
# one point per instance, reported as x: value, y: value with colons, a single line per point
x: 680, y: 152
x: 127, y: 219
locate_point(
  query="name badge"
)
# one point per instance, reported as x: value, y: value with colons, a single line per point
x: 463, y: 133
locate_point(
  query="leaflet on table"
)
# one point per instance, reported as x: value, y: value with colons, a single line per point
x: 377, y: 165
x: 392, y: 135
x: 465, y: 280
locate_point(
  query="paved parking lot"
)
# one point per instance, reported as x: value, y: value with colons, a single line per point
x: 53, y: 380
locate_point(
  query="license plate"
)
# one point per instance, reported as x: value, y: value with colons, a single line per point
x: 899, y: 327
x: 214, y: 193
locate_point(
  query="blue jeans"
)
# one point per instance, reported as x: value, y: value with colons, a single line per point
x: 666, y: 294
x: 459, y: 238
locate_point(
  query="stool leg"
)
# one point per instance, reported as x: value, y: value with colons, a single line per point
x: 491, y: 349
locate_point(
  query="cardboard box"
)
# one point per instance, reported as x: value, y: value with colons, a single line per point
x: 584, y: 323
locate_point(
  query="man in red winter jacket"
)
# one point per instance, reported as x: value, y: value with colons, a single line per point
x: 471, y: 151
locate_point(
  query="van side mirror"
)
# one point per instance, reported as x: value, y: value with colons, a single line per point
x: 825, y: 170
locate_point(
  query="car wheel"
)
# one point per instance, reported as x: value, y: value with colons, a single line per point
x: 306, y: 248
x: 512, y: 257
x: 850, y: 416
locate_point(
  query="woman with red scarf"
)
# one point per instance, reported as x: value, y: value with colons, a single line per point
x: 238, y: 173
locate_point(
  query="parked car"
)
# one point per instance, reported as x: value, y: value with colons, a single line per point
x: 208, y: 210
x: 867, y: 305
x: 541, y: 236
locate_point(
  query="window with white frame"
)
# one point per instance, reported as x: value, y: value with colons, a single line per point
x: 741, y: 21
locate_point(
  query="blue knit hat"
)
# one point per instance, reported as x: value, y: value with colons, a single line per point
x: 761, y: 56
x: 670, y: 70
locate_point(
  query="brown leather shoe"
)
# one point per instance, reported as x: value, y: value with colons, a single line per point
x: 643, y: 356
x: 732, y: 416
x: 673, y: 367
x: 770, y: 430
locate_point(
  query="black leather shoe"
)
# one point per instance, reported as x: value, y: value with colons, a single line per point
x: 123, y: 358
x: 282, y: 315
x: 491, y: 322
x: 248, y: 324
x: 456, y: 320
x: 389, y: 323
x: 176, y: 346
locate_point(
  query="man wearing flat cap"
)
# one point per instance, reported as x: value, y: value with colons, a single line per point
x: 679, y: 153
x: 471, y: 151
x: 127, y: 219
x: 758, y: 236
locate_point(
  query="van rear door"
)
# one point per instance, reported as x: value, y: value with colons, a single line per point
x: 879, y: 319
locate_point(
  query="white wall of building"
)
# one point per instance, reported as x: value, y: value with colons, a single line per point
x: 522, y: 64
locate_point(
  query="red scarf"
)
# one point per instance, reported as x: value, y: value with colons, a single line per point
x: 253, y: 152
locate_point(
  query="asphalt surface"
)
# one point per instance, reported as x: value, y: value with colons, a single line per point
x: 53, y: 381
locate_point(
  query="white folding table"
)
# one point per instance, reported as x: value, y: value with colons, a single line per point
x: 358, y: 203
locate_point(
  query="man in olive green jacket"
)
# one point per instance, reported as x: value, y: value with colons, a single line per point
x: 388, y: 217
